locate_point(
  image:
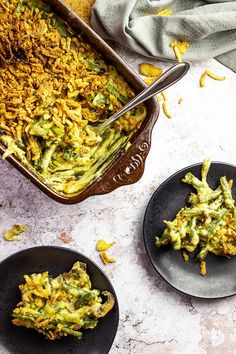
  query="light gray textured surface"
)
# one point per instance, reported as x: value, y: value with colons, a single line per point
x: 153, y: 317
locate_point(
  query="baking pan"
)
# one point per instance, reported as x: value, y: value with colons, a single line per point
x: 128, y: 167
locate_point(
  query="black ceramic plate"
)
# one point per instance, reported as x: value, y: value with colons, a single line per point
x: 220, y: 280
x: 19, y: 340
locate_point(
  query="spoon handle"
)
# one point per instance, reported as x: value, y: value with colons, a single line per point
x: 169, y: 78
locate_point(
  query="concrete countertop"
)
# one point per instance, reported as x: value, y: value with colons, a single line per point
x: 154, y: 318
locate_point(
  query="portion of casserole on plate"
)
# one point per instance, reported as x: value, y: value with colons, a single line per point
x: 53, y: 85
x: 207, y: 224
x: 61, y: 306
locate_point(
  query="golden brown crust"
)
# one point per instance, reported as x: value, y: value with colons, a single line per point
x: 82, y: 8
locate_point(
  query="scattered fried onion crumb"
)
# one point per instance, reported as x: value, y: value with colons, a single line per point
x: 164, y: 95
x: 149, y: 80
x: 64, y: 237
x: 210, y: 74
x: 14, y: 231
x: 179, y: 49
x: 164, y: 12
x: 102, y: 245
x: 147, y: 69
x: 159, y: 98
x: 106, y: 259
x: 165, y: 110
x: 202, y: 79
x: 180, y: 101
x: 203, y: 268
x: 164, y: 104
x: 185, y: 256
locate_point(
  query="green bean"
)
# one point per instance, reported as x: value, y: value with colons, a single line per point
x: 215, y: 224
x: 194, y: 238
x: 210, y: 195
x: 205, y: 168
x: 229, y: 202
x: 203, y: 253
x: 114, y: 92
x: 189, y: 178
x: 45, y: 161
x: 201, y: 212
x: 217, y: 202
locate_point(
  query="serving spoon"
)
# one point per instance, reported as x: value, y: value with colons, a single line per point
x: 169, y: 78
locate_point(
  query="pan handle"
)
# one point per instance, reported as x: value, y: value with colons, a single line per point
x: 128, y: 169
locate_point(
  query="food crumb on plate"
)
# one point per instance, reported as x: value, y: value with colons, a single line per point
x: 203, y: 268
x: 185, y: 256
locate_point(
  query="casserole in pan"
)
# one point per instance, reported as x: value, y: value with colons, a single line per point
x: 55, y: 86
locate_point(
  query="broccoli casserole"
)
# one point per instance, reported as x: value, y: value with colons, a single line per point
x: 53, y: 86
x: 61, y: 306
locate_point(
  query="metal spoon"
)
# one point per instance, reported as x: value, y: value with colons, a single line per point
x: 169, y: 78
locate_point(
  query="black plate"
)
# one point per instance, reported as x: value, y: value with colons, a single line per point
x: 220, y: 280
x: 19, y: 340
